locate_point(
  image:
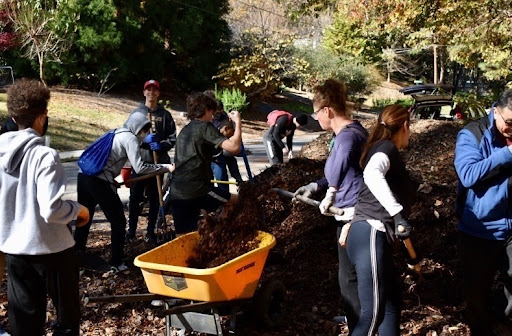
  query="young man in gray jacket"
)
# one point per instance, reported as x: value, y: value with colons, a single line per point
x: 101, y: 188
x: 33, y: 219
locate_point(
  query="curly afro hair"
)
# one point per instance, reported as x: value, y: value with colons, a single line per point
x: 198, y: 103
x: 26, y: 100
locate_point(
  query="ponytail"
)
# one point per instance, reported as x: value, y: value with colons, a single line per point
x: 390, y: 121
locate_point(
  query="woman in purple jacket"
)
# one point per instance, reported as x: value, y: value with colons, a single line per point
x: 343, y: 177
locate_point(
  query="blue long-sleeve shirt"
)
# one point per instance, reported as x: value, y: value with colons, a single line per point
x: 342, y: 168
x: 484, y: 169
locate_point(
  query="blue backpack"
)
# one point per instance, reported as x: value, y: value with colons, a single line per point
x: 95, y: 157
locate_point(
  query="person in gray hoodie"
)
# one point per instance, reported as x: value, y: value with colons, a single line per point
x: 101, y: 189
x: 34, y: 233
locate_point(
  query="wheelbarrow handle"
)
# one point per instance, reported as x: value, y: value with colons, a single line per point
x: 307, y: 200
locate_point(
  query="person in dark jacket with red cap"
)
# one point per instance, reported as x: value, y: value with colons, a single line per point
x: 161, y: 140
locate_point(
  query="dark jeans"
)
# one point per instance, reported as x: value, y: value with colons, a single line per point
x: 480, y: 260
x: 30, y: 279
x: 379, y: 294
x: 91, y: 192
x: 232, y: 165
x: 347, y: 279
x: 274, y: 152
x: 136, y: 197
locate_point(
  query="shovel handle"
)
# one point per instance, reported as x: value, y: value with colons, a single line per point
x: 410, y: 250
x: 307, y: 200
x: 144, y: 177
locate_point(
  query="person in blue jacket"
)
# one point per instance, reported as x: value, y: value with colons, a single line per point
x: 483, y: 162
x: 343, y: 178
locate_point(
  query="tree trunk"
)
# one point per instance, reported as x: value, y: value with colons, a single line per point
x: 40, y: 58
x: 441, y: 68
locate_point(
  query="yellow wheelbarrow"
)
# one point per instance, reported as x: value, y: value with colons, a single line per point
x: 192, y: 297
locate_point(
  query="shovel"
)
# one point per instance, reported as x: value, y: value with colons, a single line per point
x: 307, y: 200
x: 161, y: 211
x: 143, y: 177
x: 412, y: 254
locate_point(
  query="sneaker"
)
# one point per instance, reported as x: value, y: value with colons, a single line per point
x: 130, y: 237
x: 150, y: 238
x: 118, y: 268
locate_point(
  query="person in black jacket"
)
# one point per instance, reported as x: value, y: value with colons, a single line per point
x: 283, y: 127
x: 160, y: 141
x: 8, y: 126
x: 378, y: 219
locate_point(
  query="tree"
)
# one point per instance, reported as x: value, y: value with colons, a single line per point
x: 261, y: 64
x: 7, y: 37
x: 396, y: 60
x: 34, y: 24
x: 93, y: 56
x: 471, y: 32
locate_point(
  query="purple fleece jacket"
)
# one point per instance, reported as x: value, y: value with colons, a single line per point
x: 342, y: 168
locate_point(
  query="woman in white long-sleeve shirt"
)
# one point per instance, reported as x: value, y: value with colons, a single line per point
x: 385, y: 194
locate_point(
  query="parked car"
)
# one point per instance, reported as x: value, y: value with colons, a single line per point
x: 433, y: 101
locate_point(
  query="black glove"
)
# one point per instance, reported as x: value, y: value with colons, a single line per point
x: 402, y: 227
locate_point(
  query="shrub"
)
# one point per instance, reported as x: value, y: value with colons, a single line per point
x: 381, y: 103
x: 232, y: 99
x: 359, y: 79
x: 260, y: 64
x: 472, y: 106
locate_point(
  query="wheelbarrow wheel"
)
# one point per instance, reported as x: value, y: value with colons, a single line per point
x: 269, y: 303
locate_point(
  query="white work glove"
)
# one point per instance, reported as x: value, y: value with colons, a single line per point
x: 169, y: 166
x: 290, y: 155
x: 306, y: 190
x: 327, y: 202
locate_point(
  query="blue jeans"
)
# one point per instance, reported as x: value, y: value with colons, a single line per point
x: 379, y: 293
x: 220, y: 171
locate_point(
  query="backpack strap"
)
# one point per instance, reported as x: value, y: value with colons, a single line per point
x: 477, y: 128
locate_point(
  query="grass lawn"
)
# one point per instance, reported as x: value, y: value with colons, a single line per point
x: 77, y: 120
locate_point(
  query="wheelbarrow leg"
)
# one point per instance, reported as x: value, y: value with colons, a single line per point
x: 232, y: 320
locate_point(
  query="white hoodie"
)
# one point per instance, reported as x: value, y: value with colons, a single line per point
x: 33, y: 216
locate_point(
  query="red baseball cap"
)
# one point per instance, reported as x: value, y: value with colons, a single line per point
x: 152, y: 82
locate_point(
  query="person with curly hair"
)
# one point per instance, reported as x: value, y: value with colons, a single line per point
x: 34, y: 232
x: 191, y: 187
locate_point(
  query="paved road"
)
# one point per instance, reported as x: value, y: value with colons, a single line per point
x: 257, y: 161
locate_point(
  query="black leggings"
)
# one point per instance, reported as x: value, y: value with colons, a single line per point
x: 379, y: 293
x: 92, y: 191
x: 347, y: 279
